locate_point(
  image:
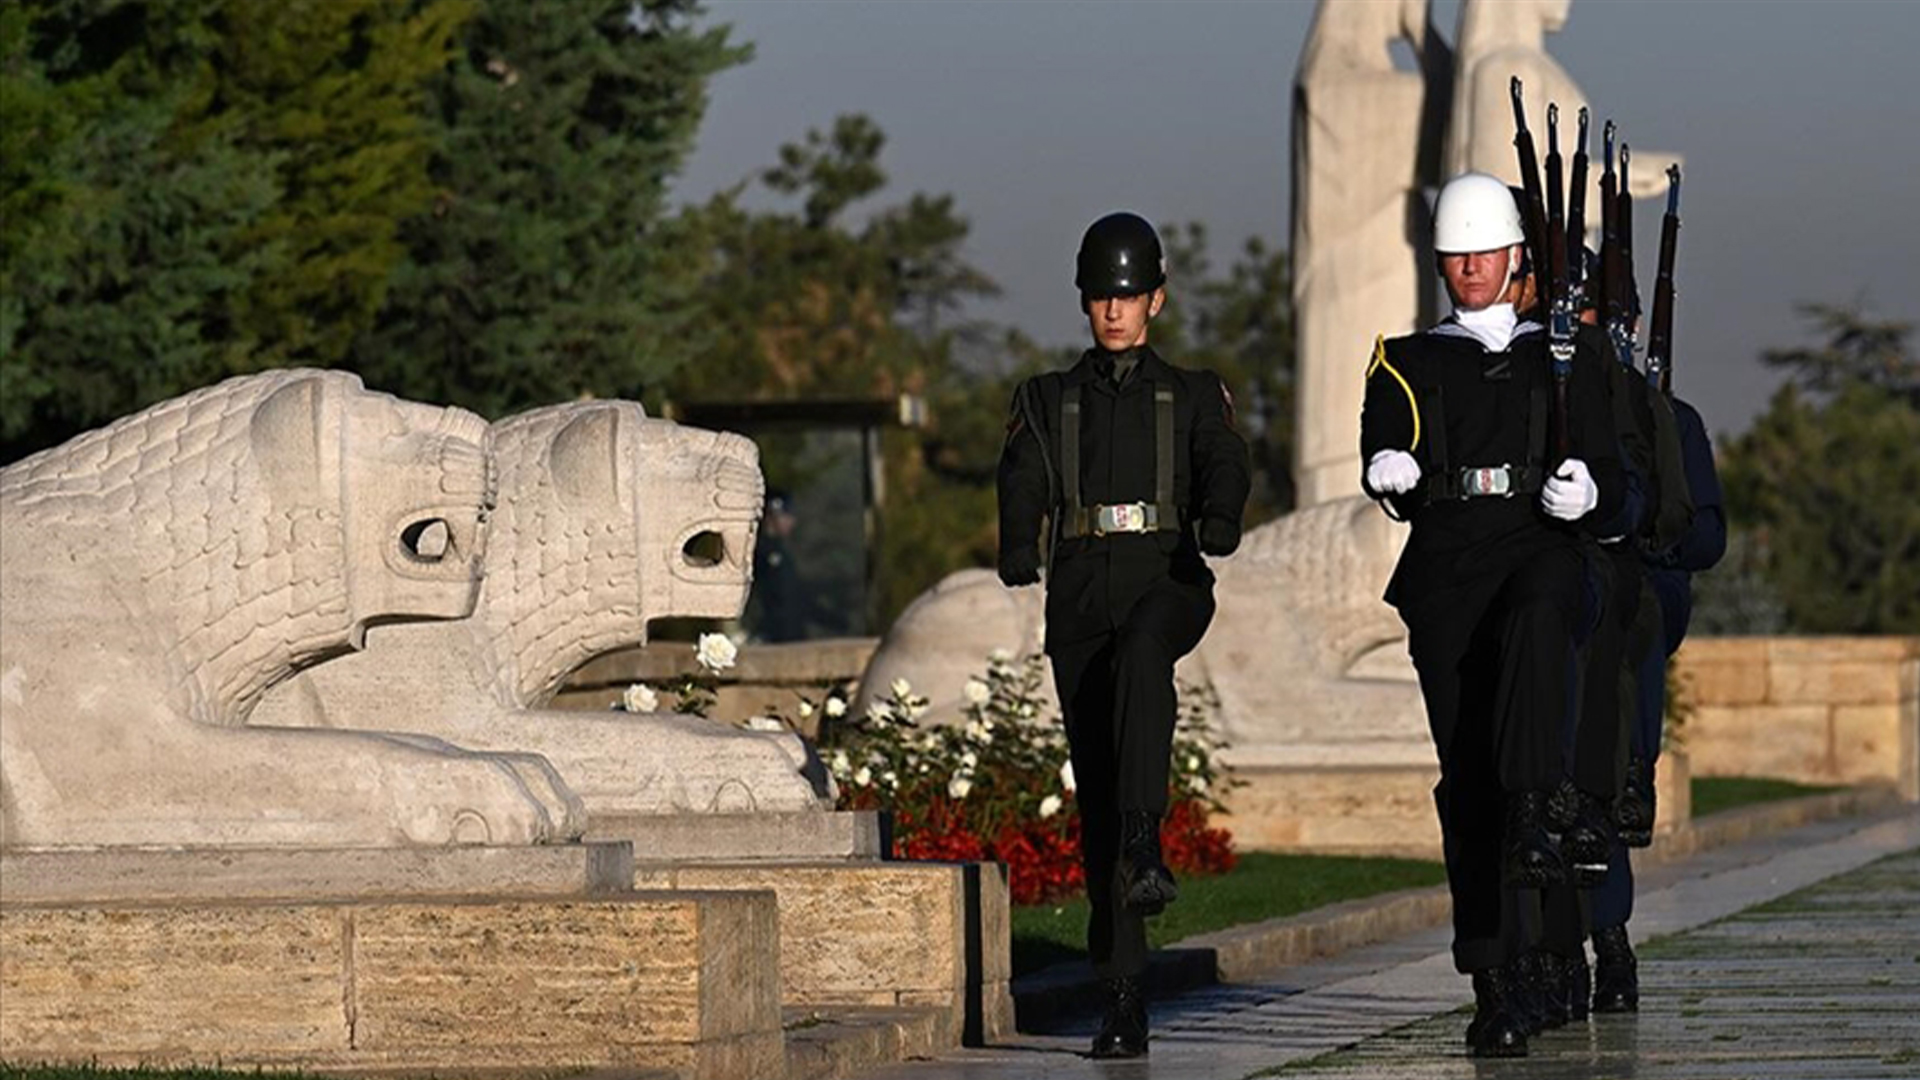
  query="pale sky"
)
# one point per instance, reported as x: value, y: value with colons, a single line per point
x: 1799, y: 122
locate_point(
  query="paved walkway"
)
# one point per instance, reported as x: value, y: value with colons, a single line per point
x: 1796, y: 956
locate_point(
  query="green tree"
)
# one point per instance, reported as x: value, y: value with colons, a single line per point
x: 1239, y: 325
x: 1825, y: 479
x: 546, y: 267
x: 197, y: 189
x: 806, y: 304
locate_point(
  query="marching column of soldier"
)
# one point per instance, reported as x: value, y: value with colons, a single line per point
x: 1559, y: 500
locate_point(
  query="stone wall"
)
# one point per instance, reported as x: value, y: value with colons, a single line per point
x: 1837, y: 710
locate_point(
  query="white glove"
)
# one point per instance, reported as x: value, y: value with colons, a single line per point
x: 1392, y: 472
x: 1571, y: 492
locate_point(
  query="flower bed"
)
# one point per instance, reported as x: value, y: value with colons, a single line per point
x: 1001, y: 787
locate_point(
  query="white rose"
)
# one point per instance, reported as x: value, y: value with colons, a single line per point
x: 1066, y: 776
x: 640, y: 698
x: 840, y: 764
x: 880, y: 710
x: 836, y: 707
x: 978, y: 732
x: 806, y: 708
x: 959, y: 786
x: 863, y: 777
x: 901, y: 688
x: 977, y: 692
x: 1193, y: 762
x: 1197, y: 783
x: 716, y: 652
x: 1049, y: 806
x: 1001, y: 656
x: 969, y: 759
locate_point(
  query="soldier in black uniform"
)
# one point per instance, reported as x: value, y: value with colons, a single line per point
x: 1136, y: 469
x: 1669, y: 570
x: 1493, y: 584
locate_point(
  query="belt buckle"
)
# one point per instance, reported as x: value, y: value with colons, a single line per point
x: 1496, y: 480
x: 1120, y: 518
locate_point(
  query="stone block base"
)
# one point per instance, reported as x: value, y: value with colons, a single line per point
x: 881, y: 934
x: 1368, y: 810
x: 685, y: 983
x: 1330, y: 809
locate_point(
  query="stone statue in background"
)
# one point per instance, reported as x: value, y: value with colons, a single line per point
x: 947, y: 634
x: 158, y: 576
x: 1498, y: 40
x: 606, y: 519
x: 1310, y: 665
x: 1367, y: 139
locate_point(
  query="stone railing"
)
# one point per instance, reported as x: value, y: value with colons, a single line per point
x: 1838, y: 710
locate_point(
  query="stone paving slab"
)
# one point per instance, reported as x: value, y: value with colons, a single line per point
x: 1820, y: 961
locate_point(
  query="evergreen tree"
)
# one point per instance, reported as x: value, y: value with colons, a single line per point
x: 805, y: 304
x: 197, y: 189
x: 1824, y: 481
x: 544, y: 268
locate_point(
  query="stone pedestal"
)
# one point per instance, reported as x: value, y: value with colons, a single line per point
x: 684, y: 983
x: 881, y: 934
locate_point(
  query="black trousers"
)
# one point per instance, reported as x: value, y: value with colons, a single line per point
x: 1116, y: 690
x: 1495, y: 657
x: 1599, y: 745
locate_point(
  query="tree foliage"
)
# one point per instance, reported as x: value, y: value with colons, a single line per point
x: 1825, y: 479
x: 546, y: 266
x: 197, y: 189
x: 1239, y: 325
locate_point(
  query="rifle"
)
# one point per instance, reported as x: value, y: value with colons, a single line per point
x: 1577, y: 220
x: 1556, y: 203
x: 1534, y: 213
x: 1611, y: 296
x: 1550, y: 273
x: 1620, y: 316
x: 1660, y: 336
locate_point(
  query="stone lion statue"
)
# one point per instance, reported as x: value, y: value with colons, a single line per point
x: 160, y: 575
x: 606, y: 519
x: 1308, y: 662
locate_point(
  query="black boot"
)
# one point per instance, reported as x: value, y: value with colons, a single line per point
x: 1532, y: 860
x: 1616, y: 974
x: 1589, y: 842
x: 1579, y: 988
x: 1123, y: 1028
x: 1495, y: 1030
x: 1546, y: 983
x: 1633, y: 810
x: 1521, y: 1003
x: 1146, y: 886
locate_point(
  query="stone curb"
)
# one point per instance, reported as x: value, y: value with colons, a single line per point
x: 1044, y: 998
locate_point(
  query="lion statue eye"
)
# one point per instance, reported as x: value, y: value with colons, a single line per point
x: 427, y: 540
x: 705, y: 548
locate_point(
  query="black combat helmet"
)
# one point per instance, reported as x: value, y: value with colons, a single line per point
x: 1120, y: 256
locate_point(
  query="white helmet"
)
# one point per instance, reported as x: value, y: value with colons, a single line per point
x: 1475, y: 212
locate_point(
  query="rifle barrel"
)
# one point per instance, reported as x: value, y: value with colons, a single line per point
x: 1577, y: 211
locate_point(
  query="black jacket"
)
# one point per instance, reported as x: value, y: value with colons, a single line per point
x: 1486, y: 403
x: 1094, y: 581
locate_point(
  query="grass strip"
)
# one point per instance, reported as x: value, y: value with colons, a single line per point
x: 1263, y: 886
x: 1715, y: 794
